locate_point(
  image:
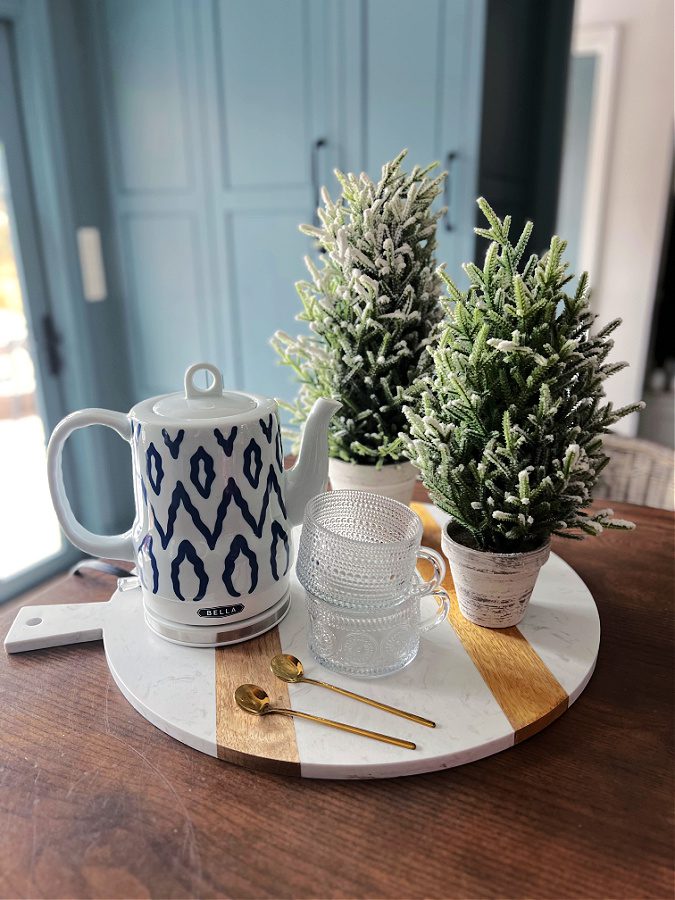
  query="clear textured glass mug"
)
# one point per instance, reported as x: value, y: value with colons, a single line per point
x: 360, y: 550
x: 369, y: 643
x: 357, y: 561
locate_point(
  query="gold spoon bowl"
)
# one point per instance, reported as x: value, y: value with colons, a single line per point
x: 252, y: 699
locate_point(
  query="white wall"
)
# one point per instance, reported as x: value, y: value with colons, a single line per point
x: 637, y: 183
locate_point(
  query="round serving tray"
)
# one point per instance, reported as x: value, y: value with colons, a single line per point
x: 486, y: 689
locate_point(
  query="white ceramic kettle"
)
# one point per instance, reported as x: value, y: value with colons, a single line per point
x: 211, y: 539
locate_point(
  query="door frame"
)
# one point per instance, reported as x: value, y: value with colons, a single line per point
x: 39, y: 106
x: 35, y: 72
x: 602, y: 42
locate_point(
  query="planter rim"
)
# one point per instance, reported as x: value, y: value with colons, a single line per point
x: 358, y: 475
x: 393, y: 480
x: 404, y: 463
x: 523, y: 554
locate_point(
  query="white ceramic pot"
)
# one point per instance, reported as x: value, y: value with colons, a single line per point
x: 211, y: 539
x: 493, y: 589
x: 396, y: 480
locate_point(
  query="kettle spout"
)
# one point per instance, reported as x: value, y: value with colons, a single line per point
x: 308, y: 476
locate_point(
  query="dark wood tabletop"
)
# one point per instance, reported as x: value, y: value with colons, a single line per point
x: 96, y: 802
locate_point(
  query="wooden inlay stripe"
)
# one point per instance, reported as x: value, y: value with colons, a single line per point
x: 259, y: 742
x: 525, y: 688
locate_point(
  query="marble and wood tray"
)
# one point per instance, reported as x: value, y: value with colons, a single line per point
x: 486, y: 689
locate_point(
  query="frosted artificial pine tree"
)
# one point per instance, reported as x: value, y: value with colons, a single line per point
x: 507, y: 427
x: 372, y: 305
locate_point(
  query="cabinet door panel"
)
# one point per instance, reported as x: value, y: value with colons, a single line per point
x: 272, y: 77
x: 460, y: 107
x: 403, y: 71
x: 268, y: 250
x: 264, y: 81
x: 145, y: 72
x: 150, y: 88
x: 421, y: 90
x: 162, y: 267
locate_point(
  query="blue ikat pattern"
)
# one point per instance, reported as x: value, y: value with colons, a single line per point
x: 173, y: 443
x: 253, y: 463
x: 278, y: 533
x: 202, y: 472
x: 239, y: 546
x: 241, y: 555
x: 146, y: 549
x: 267, y: 427
x: 232, y: 493
x: 154, y: 468
x: 187, y: 552
x: 227, y: 443
x: 278, y: 449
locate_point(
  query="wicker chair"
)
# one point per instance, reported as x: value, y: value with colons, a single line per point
x: 637, y: 472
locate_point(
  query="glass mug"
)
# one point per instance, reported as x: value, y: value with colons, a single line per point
x: 369, y: 643
x: 357, y: 561
x: 361, y: 550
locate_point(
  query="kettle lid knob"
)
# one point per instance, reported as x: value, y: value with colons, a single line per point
x: 193, y: 392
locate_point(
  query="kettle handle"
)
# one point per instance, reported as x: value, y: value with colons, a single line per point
x: 114, y: 546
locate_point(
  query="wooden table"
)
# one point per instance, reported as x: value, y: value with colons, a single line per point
x: 95, y: 802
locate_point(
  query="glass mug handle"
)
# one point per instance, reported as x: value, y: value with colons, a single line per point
x: 438, y: 563
x: 441, y: 614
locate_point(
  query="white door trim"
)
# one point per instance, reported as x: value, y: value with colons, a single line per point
x: 602, y: 42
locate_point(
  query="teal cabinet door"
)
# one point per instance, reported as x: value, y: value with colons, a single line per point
x: 419, y: 87
x: 272, y: 106
x: 369, y: 77
x: 223, y: 118
x: 150, y: 80
x: 213, y: 111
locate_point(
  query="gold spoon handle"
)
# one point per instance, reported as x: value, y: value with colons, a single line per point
x: 390, y: 709
x: 352, y: 729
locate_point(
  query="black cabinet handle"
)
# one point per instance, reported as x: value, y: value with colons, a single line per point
x: 314, y: 162
x: 449, y: 161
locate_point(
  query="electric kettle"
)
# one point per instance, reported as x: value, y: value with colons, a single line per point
x: 211, y: 539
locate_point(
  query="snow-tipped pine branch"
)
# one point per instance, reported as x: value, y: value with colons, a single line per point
x: 507, y: 427
x: 371, y: 304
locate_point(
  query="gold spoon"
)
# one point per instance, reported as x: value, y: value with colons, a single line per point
x: 289, y: 668
x: 253, y: 699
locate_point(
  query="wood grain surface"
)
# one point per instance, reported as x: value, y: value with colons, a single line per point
x: 528, y: 693
x: 95, y: 802
x: 276, y: 749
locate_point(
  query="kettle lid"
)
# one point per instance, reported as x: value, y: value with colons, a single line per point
x: 209, y: 402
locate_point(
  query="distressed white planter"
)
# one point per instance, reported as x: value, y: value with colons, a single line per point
x: 396, y: 480
x: 493, y: 589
